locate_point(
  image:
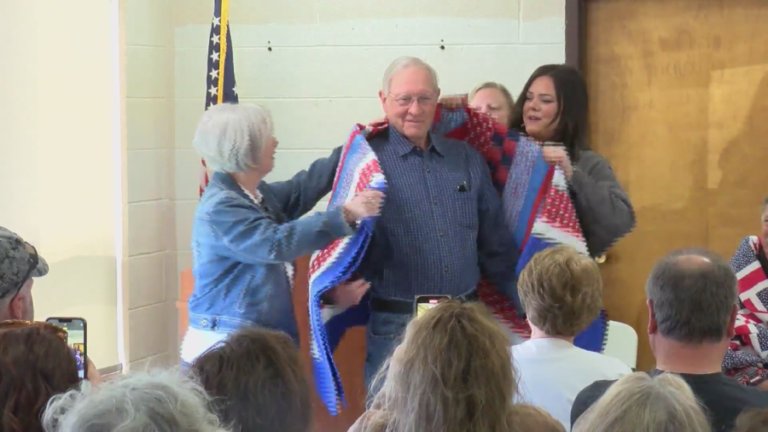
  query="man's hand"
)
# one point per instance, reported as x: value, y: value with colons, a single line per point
x: 349, y: 294
x: 558, y: 156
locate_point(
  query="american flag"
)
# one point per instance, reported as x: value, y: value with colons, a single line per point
x: 221, y: 86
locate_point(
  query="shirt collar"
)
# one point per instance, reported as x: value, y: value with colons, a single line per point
x: 403, y: 146
x: 255, y: 196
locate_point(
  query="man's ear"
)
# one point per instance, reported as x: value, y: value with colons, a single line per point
x: 653, y: 327
x: 16, y: 307
x: 732, y: 322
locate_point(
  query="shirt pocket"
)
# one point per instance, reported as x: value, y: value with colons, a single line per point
x: 462, y: 202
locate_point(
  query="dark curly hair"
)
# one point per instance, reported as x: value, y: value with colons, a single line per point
x: 35, y: 365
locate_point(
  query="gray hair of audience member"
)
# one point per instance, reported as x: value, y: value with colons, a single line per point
x: 641, y: 403
x: 404, y: 63
x: 693, y: 293
x: 161, y: 401
x: 231, y: 137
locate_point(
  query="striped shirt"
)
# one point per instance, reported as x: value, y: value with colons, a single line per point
x: 442, y: 224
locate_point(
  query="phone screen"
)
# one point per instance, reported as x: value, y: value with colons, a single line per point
x: 425, y: 303
x: 76, y: 340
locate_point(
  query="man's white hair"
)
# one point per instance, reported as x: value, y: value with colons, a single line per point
x: 163, y: 401
x: 404, y: 63
x: 231, y: 137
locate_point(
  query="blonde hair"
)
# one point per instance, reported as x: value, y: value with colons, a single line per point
x: 641, y: 403
x: 561, y: 291
x: 508, y: 98
x: 453, y: 373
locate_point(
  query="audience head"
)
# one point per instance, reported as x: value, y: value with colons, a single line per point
x: 691, y: 296
x: 495, y: 100
x: 257, y: 382
x: 641, y: 403
x: 138, y: 402
x: 553, y: 107
x: 409, y: 95
x: 35, y: 365
x: 528, y: 418
x: 561, y: 291
x: 236, y: 138
x: 19, y: 263
x: 452, y: 372
x: 752, y: 420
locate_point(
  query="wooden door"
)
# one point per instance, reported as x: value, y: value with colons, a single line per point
x: 679, y: 105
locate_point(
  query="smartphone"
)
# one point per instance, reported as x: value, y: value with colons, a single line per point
x: 427, y: 302
x: 77, y: 339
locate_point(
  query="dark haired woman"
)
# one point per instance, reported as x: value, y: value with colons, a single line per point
x: 35, y: 365
x: 553, y: 108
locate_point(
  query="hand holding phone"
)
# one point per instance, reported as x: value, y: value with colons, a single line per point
x: 77, y: 339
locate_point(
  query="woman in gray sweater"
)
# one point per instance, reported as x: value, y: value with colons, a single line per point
x: 553, y: 108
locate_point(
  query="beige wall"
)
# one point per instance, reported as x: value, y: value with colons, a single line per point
x: 151, y: 257
x: 59, y: 143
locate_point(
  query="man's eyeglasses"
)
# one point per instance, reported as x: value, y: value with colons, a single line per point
x: 421, y: 100
x: 32, y: 262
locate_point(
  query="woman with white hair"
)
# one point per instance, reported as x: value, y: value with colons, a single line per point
x: 248, y: 232
x: 139, y: 402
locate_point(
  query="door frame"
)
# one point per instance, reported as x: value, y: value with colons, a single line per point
x: 575, y: 33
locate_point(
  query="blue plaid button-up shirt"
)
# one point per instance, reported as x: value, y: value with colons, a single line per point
x: 442, y: 224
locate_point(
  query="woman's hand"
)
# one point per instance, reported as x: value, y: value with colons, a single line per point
x: 349, y: 294
x: 365, y: 204
x: 94, y: 377
x: 558, y: 156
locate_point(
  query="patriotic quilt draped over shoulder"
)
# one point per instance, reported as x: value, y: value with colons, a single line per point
x: 537, y: 207
x: 745, y: 360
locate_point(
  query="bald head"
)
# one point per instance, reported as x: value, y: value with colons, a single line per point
x: 692, y: 292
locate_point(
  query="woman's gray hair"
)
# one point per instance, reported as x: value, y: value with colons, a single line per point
x: 641, y: 403
x: 164, y: 401
x: 230, y: 137
x: 404, y: 63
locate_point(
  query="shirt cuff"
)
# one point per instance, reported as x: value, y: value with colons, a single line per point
x: 336, y: 223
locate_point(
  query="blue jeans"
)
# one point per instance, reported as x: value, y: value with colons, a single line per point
x: 382, y: 337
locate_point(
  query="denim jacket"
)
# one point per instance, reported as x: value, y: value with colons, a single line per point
x: 240, y: 252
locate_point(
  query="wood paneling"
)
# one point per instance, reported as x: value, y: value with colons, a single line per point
x: 679, y: 105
